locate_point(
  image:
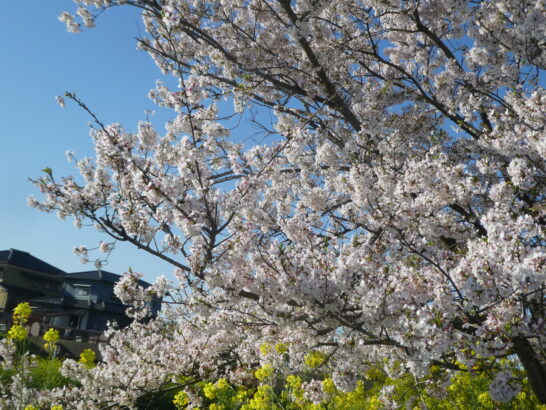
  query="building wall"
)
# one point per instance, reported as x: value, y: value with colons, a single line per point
x: 98, y: 290
x: 98, y: 315
x: 23, y: 285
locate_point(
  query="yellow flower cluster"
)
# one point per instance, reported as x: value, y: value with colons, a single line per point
x: 181, y: 399
x: 293, y: 382
x: 242, y: 395
x: 51, y: 337
x: 209, y: 391
x: 467, y: 389
x: 261, y: 399
x: 281, y: 348
x: 212, y: 391
x: 87, y: 358
x: 22, y: 312
x: 264, y: 372
x: 314, y: 359
x: 54, y: 407
x: 267, y: 348
x: 328, y: 386
x: 17, y: 333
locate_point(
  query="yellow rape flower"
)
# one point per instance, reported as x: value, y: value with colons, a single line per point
x: 264, y: 372
x: 242, y: 394
x: 209, y: 390
x: 265, y: 349
x: 314, y: 359
x: 181, y: 399
x: 294, y: 385
x: 215, y: 406
x: 281, y: 348
x: 22, y: 312
x: 51, y: 336
x: 87, y: 357
x: 294, y: 382
x: 261, y: 399
x: 57, y: 407
x: 31, y: 407
x: 17, y: 333
x: 212, y: 390
x: 328, y: 386
x: 222, y: 384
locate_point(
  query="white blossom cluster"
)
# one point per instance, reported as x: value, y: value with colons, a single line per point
x: 395, y: 210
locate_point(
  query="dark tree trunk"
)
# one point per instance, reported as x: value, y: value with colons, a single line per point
x: 533, y: 365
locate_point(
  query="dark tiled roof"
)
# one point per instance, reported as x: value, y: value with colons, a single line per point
x: 99, y: 275
x: 26, y: 260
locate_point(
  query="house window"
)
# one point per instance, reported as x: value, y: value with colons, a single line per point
x: 82, y: 291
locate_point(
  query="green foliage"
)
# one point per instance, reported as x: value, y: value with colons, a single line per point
x: 6, y: 375
x: 47, y: 374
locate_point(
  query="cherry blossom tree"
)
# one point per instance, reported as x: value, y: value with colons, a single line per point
x: 393, y: 209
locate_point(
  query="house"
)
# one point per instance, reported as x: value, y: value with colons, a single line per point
x: 23, y: 277
x: 74, y: 302
x: 87, y: 302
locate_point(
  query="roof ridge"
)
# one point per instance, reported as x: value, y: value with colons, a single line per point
x: 28, y: 261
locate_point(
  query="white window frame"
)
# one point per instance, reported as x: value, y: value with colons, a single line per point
x: 78, y: 287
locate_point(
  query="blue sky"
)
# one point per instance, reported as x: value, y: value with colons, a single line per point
x: 40, y: 60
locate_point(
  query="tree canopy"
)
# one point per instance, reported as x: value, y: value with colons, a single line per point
x: 391, y: 209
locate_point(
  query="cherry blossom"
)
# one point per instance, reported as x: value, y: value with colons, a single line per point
x: 394, y: 210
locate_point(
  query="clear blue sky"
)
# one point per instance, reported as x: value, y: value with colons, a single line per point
x: 40, y: 60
